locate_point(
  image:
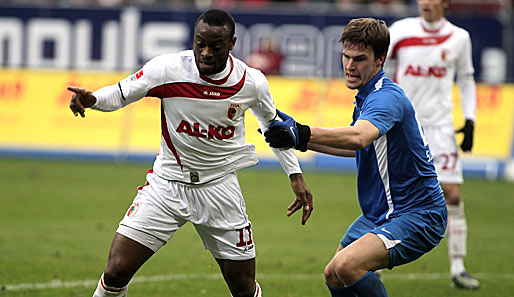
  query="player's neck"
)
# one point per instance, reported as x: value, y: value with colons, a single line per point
x: 224, y: 72
x: 433, y: 26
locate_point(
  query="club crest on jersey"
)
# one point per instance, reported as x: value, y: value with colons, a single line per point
x: 234, y: 111
x: 445, y: 54
x: 133, y: 210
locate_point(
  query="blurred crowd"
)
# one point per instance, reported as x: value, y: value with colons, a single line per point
x: 480, y: 6
x: 201, y: 3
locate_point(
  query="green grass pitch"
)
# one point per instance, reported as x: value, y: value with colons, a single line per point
x: 57, y: 220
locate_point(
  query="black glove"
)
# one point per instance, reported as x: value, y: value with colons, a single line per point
x: 288, y: 133
x: 467, y: 142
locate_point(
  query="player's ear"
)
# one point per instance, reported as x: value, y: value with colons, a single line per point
x: 233, y: 42
x: 446, y: 5
x: 380, y: 61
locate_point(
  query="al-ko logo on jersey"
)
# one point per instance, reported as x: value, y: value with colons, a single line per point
x: 212, y: 131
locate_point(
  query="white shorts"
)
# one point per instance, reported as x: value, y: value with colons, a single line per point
x: 443, y: 146
x: 216, y: 209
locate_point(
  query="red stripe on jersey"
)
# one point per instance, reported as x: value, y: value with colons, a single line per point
x: 194, y: 90
x: 219, y: 81
x: 146, y: 183
x: 167, y: 138
x: 419, y: 41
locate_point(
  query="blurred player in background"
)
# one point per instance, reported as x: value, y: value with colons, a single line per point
x: 403, y: 210
x: 204, y: 94
x: 426, y: 53
x: 267, y: 57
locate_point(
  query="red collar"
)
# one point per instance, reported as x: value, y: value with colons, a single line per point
x: 222, y: 80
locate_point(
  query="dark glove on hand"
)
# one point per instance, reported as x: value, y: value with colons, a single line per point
x: 467, y: 142
x: 288, y: 133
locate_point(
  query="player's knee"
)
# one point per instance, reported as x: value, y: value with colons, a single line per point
x: 241, y: 285
x: 116, y: 275
x: 452, y: 199
x: 243, y: 289
x: 330, y: 274
x: 451, y: 194
x: 344, y: 267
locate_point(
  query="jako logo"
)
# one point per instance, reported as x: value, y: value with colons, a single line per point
x: 211, y: 132
x: 211, y: 93
x: 431, y: 71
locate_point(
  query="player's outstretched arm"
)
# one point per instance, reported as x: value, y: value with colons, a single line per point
x: 303, y: 197
x: 330, y: 150
x: 287, y: 133
x: 81, y: 100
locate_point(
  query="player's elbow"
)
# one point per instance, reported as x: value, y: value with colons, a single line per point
x: 359, y: 142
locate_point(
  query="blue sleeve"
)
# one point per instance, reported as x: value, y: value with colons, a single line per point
x: 382, y: 109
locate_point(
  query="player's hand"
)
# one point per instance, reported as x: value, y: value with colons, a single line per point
x: 467, y: 142
x: 303, y: 197
x: 81, y: 100
x: 288, y: 133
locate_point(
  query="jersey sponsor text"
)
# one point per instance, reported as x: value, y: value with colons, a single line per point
x: 212, y: 132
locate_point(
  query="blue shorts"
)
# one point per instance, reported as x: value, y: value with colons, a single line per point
x: 407, y: 236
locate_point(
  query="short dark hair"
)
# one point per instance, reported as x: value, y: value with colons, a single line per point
x: 368, y: 32
x: 219, y: 18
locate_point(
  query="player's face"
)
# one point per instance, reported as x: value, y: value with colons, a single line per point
x: 432, y: 10
x: 359, y: 65
x: 211, y: 46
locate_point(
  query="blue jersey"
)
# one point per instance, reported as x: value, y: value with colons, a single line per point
x: 396, y: 172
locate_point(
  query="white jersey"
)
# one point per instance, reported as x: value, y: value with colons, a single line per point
x: 427, y: 58
x: 202, y: 118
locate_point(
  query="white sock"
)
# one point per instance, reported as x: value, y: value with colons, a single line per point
x: 103, y: 290
x: 258, y: 290
x: 456, y: 232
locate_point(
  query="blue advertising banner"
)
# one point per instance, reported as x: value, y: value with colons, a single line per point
x: 123, y: 39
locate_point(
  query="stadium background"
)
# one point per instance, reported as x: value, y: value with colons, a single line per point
x: 59, y: 43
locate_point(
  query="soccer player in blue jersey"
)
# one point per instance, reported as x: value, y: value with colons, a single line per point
x: 403, y: 209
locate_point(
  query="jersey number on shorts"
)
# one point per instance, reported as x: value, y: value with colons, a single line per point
x: 450, y: 161
x: 242, y: 241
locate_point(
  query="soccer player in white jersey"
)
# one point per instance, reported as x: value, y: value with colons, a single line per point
x: 427, y: 53
x: 204, y: 95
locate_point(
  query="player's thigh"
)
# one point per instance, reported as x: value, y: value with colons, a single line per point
x: 156, y: 213
x: 221, y: 221
x: 443, y: 146
x: 410, y: 235
x: 365, y: 250
x: 219, y: 204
